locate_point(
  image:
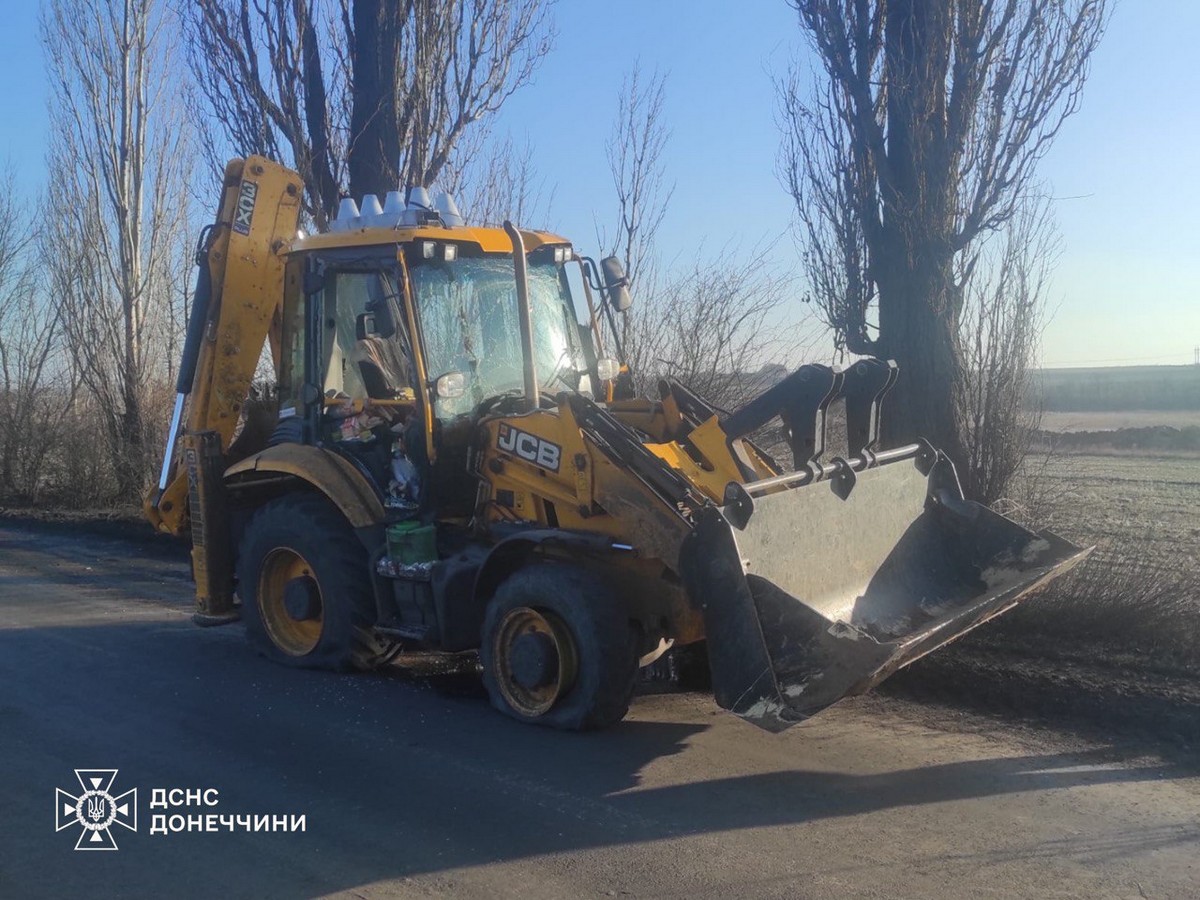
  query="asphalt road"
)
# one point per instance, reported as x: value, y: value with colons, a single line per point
x: 406, y: 793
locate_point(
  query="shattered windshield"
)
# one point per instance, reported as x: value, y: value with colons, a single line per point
x: 468, y: 312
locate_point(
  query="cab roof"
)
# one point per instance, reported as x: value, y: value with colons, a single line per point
x: 489, y: 240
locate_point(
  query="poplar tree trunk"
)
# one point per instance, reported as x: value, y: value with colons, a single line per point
x: 374, y: 158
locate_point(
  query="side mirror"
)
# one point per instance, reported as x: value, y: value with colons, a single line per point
x: 450, y: 386
x: 364, y: 326
x: 607, y: 369
x: 616, y: 285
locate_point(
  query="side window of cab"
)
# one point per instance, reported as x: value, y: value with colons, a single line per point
x: 366, y: 352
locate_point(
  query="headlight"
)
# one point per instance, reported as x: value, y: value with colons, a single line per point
x: 450, y: 386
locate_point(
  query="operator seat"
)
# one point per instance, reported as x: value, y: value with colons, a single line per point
x: 384, y: 370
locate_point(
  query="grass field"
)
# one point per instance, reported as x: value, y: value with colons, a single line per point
x: 1097, y: 486
x: 1141, y: 587
x: 1126, y: 499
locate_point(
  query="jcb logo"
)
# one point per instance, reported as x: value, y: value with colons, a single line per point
x: 529, y: 447
x: 244, y: 213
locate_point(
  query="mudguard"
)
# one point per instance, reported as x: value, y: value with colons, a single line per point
x: 332, y: 475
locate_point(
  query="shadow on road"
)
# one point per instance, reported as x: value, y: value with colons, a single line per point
x: 394, y: 779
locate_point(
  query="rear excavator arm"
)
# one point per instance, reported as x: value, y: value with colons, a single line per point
x: 239, y: 291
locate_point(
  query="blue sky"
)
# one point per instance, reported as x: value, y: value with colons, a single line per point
x: 1127, y: 289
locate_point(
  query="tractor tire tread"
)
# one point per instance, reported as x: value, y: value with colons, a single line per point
x: 340, y: 560
x: 606, y: 643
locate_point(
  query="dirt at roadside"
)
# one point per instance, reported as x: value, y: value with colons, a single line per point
x: 1086, y: 688
x: 126, y: 523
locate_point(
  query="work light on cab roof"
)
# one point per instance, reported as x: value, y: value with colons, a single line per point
x: 395, y: 212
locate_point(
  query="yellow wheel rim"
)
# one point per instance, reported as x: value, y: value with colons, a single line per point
x: 535, y: 660
x: 295, y: 627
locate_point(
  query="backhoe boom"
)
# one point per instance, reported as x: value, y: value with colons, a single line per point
x: 235, y: 310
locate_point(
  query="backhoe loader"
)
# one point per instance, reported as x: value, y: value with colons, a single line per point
x: 459, y: 465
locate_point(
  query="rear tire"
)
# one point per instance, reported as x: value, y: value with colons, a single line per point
x: 579, y: 638
x: 307, y: 599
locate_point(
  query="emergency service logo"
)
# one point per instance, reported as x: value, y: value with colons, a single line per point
x: 95, y: 810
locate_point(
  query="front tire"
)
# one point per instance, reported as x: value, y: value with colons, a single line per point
x: 306, y: 593
x: 558, y: 649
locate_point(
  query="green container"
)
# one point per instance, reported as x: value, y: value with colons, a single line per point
x: 411, y: 542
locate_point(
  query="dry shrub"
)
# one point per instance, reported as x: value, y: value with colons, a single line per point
x: 82, y: 473
x: 1139, y: 593
x: 1035, y: 495
x: 720, y: 327
x: 1004, y: 289
x: 1153, y: 439
x: 1131, y: 596
x: 66, y: 458
x: 31, y: 377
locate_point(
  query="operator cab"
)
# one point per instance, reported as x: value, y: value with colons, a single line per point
x: 416, y: 337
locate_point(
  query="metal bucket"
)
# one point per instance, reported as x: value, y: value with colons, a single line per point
x: 819, y: 592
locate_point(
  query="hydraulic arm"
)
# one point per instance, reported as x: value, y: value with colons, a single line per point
x: 235, y: 310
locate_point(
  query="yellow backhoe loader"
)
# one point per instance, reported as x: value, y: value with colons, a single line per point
x: 459, y: 464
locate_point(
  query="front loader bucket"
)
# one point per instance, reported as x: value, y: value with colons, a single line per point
x: 828, y: 588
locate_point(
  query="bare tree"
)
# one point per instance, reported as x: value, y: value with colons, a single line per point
x: 364, y: 94
x: 1003, y: 315
x: 923, y: 136
x: 634, y: 151
x: 32, y: 388
x: 713, y: 327
x: 119, y: 152
x: 502, y: 184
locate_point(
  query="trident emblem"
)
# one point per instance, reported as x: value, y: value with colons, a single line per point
x: 95, y: 809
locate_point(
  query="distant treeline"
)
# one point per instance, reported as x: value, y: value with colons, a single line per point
x: 1116, y: 388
